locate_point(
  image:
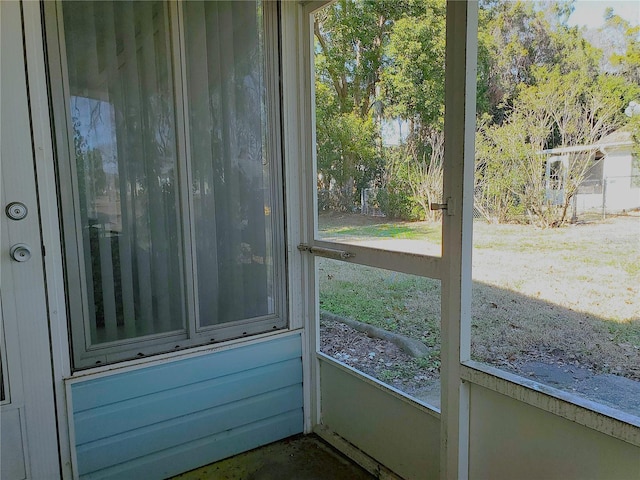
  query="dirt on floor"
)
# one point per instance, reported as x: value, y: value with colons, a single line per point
x: 303, y: 457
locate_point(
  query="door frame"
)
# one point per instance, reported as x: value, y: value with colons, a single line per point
x: 33, y: 25
x: 26, y: 296
x: 453, y: 268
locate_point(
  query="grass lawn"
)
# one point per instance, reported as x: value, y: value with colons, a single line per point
x: 556, y: 295
x: 419, y: 231
x: 341, y: 227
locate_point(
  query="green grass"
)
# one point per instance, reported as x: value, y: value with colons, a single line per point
x: 625, y: 332
x: 397, y: 302
x: 368, y: 306
x: 398, y: 230
x: 573, y: 289
x: 407, y: 371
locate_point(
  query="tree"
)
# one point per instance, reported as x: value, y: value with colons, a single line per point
x: 347, y: 158
x: 501, y: 150
x: 413, y: 86
x: 350, y: 38
x: 541, y: 85
x: 546, y: 89
x: 559, y: 110
x: 620, y: 44
x: 519, y: 36
x: 414, y: 80
x: 414, y: 182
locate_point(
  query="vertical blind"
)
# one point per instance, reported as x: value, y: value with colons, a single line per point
x: 122, y: 110
x: 163, y: 224
x: 231, y: 183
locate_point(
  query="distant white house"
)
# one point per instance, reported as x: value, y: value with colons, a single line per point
x: 612, y: 183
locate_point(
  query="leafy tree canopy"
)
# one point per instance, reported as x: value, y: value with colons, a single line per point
x: 541, y: 84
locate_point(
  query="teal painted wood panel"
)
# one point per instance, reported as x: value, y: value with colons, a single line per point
x: 135, y: 413
x: 145, y: 441
x: 184, y: 414
x: 171, y: 462
x: 117, y: 388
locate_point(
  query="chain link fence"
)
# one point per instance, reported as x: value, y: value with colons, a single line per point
x: 597, y: 199
x: 370, y: 204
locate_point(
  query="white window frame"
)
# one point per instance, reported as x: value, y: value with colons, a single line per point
x: 86, y: 355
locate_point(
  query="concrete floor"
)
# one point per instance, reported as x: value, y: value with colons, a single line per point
x: 303, y: 457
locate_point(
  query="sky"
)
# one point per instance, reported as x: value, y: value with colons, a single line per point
x: 591, y: 12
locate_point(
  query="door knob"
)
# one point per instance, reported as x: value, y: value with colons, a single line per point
x: 20, y: 252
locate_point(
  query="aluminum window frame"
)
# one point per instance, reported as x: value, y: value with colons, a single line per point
x: 84, y: 355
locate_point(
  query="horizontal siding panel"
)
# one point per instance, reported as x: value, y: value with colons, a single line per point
x: 161, y: 420
x: 120, y: 417
x: 144, y: 381
x: 171, y: 462
x: 145, y: 441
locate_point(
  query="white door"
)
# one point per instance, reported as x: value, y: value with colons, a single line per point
x: 29, y: 445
